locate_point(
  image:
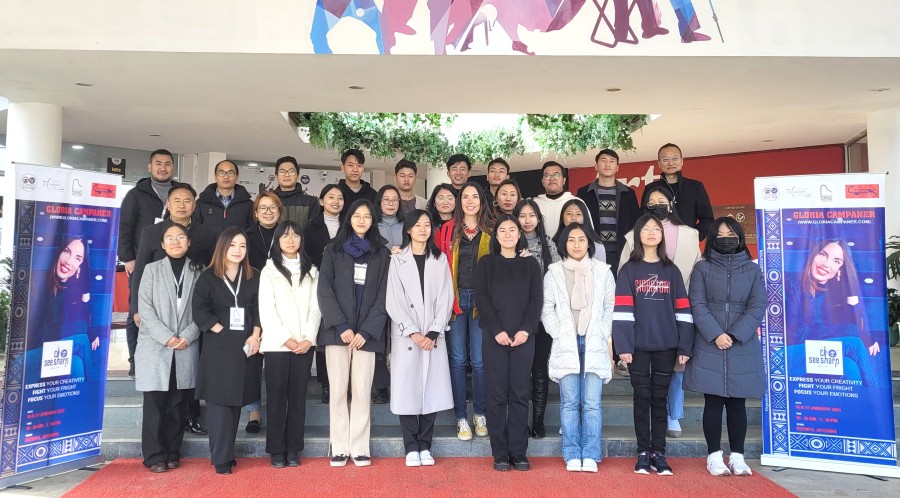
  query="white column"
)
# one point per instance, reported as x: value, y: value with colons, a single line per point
x: 198, y: 169
x: 34, y: 136
x: 435, y: 175
x: 883, y: 130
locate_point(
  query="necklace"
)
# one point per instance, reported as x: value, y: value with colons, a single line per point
x: 470, y: 232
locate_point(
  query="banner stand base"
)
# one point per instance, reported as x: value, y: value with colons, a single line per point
x: 873, y: 471
x: 18, y: 479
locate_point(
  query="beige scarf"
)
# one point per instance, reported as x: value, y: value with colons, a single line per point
x: 583, y: 290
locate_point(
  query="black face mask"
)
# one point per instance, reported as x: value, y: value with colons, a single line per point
x: 661, y: 211
x: 726, y: 245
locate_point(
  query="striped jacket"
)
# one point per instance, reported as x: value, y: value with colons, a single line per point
x: 652, y: 311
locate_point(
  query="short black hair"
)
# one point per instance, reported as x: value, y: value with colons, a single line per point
x: 358, y: 154
x: 329, y: 188
x: 405, y: 163
x: 287, y: 159
x: 714, y: 232
x: 236, y: 172
x: 607, y: 152
x: 561, y: 248
x: 520, y: 245
x: 162, y: 152
x: 501, y: 161
x: 182, y: 186
x: 459, y: 158
x: 377, y: 215
x: 666, y: 146
x: 554, y: 164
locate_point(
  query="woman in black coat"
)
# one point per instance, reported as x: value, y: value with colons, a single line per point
x: 352, y: 288
x: 225, y: 311
x: 728, y: 301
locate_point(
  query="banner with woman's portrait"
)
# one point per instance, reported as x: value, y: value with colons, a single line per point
x: 66, y: 232
x: 829, y: 404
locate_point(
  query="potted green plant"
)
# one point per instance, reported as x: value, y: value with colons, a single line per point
x: 893, y: 270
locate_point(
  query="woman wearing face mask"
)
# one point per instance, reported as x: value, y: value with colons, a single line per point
x: 508, y: 195
x: 509, y: 296
x: 683, y: 248
x: 319, y: 233
x: 543, y: 250
x: 728, y: 301
x: 441, y: 205
x: 574, y: 211
x: 167, y: 350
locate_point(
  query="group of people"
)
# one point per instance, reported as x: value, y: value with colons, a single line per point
x: 521, y: 291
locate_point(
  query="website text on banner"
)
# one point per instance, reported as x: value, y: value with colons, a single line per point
x: 829, y: 402
x: 64, y: 263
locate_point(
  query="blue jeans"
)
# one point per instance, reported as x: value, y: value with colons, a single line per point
x: 676, y: 397
x: 457, y: 349
x: 581, y: 433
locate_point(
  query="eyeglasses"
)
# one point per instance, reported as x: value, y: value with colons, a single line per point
x: 670, y: 159
x: 390, y: 201
x: 226, y: 173
x: 286, y: 172
x: 552, y: 176
x: 651, y: 230
x: 290, y: 236
x: 172, y: 238
x: 361, y: 217
x: 267, y: 209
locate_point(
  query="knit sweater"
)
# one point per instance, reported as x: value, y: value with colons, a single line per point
x: 509, y: 294
x: 652, y: 310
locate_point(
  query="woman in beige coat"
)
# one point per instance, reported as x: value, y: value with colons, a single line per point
x: 289, y: 315
x: 420, y: 303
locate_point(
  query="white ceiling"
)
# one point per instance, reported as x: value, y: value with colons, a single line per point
x: 232, y: 103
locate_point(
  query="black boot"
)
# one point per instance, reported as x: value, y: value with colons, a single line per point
x: 540, y: 385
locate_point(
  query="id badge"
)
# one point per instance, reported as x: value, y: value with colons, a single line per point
x: 237, y: 319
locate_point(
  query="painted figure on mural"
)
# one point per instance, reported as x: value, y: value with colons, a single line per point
x: 687, y: 21
x: 329, y: 12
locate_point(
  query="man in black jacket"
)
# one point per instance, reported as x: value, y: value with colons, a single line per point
x: 298, y: 206
x: 225, y: 203
x: 612, y: 204
x: 353, y: 165
x: 143, y: 206
x: 691, y: 200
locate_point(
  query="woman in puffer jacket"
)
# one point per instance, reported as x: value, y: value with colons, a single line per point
x: 728, y: 301
x: 579, y: 296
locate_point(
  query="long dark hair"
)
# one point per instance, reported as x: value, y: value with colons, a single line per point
x: 546, y: 257
x: 412, y: 218
x: 673, y: 215
x: 430, y: 207
x: 521, y: 244
x: 846, y: 281
x: 735, y: 227
x: 219, y: 256
x: 346, y: 229
x: 637, y: 254
x: 588, y: 227
x: 53, y: 280
x: 378, y: 215
x: 508, y: 181
x: 192, y: 264
x: 484, y: 212
x: 278, y: 255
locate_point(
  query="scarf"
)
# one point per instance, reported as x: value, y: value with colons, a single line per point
x: 291, y: 265
x: 583, y: 290
x: 357, y: 246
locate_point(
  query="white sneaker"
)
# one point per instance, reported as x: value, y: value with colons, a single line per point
x: 738, y: 466
x: 573, y: 465
x: 674, y: 428
x: 413, y: 459
x: 425, y: 457
x: 589, y: 465
x: 480, y: 425
x: 716, y: 465
x: 463, y: 431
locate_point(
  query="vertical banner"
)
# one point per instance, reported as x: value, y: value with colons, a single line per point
x: 829, y: 403
x: 66, y: 232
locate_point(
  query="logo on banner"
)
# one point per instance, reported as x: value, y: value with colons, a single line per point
x: 826, y: 194
x: 54, y: 184
x: 825, y: 357
x: 862, y: 191
x: 57, y: 359
x: 103, y: 190
x: 799, y: 192
x: 770, y: 192
x: 28, y: 182
x: 77, y: 190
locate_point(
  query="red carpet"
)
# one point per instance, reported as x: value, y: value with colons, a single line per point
x: 390, y: 477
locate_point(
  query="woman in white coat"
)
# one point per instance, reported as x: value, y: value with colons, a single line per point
x: 419, y: 303
x: 579, y: 297
x: 167, y: 353
x: 289, y: 315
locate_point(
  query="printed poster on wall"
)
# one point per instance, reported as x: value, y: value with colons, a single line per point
x: 829, y: 401
x: 66, y: 232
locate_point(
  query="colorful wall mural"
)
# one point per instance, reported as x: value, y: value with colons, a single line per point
x: 455, y: 25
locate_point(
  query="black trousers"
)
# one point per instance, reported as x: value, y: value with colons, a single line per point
x: 193, y: 406
x: 222, y: 422
x: 131, y: 328
x: 507, y: 378
x: 417, y: 431
x: 542, y: 344
x: 287, y: 377
x: 651, y: 374
x: 162, y: 429
x: 736, y: 421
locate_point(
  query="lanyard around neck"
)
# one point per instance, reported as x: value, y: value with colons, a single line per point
x: 234, y: 292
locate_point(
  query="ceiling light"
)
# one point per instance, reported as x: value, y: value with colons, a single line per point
x: 356, y: 87
x: 78, y: 147
x: 154, y: 135
x: 768, y: 140
x: 879, y: 90
x: 84, y: 84
x: 613, y: 89
x: 252, y: 165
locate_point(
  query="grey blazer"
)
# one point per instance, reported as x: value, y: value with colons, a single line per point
x: 160, y: 321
